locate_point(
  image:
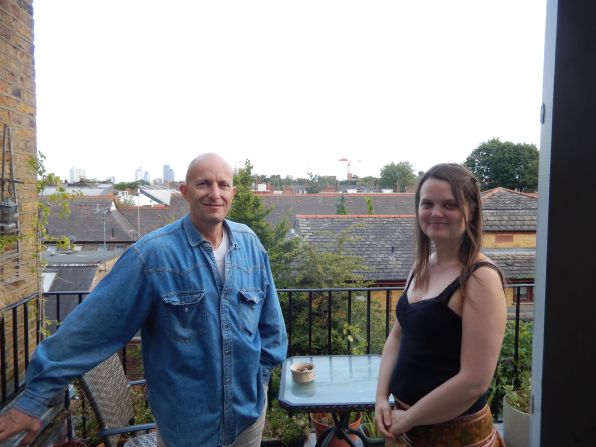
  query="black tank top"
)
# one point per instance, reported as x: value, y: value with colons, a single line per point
x: 430, y: 347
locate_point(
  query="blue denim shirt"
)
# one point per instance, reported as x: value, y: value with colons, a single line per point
x: 208, y: 345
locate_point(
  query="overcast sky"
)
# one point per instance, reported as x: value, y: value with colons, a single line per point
x: 291, y: 86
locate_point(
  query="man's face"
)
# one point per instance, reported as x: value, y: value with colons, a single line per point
x: 209, y: 192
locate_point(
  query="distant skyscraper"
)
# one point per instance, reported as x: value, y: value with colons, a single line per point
x: 139, y: 174
x: 168, y: 174
x: 76, y: 174
x: 146, y: 177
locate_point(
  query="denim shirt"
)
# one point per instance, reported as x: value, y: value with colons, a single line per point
x: 208, y: 345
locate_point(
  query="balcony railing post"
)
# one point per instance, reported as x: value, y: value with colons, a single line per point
x: 38, y: 319
x: 349, y: 317
x: 289, y: 323
x: 310, y: 321
x: 368, y: 304
x: 15, y: 347
x: 387, y: 312
x: 516, y: 338
x: 26, y: 332
x: 329, y: 349
x: 3, y: 360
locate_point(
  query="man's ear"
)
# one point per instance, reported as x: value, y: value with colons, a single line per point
x: 183, y: 189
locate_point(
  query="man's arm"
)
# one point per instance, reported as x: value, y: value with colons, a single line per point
x: 98, y: 327
x: 272, y: 329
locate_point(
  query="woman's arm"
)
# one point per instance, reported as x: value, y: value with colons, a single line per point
x: 484, y: 313
x: 388, y: 361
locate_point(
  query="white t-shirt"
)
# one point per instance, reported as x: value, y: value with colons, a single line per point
x: 220, y: 254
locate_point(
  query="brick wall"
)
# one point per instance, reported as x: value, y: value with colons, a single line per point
x: 18, y: 264
x: 509, y: 240
x: 18, y: 270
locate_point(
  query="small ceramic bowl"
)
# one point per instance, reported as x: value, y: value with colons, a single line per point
x: 303, y: 372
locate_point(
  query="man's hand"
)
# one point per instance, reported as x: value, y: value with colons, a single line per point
x: 14, y: 422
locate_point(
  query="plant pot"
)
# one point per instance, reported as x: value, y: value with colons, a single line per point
x: 372, y: 441
x: 516, y: 426
x: 321, y: 426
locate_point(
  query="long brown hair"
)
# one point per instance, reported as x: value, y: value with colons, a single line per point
x: 467, y: 194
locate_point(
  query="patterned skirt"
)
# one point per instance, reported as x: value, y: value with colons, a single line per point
x: 472, y: 430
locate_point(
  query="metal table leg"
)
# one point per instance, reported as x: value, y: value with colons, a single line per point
x: 341, y: 430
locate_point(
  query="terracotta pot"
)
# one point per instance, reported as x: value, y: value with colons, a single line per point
x: 320, y: 427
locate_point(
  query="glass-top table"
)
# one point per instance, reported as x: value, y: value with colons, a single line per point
x: 342, y: 384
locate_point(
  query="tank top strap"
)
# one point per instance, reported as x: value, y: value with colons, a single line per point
x: 448, y: 292
x: 451, y: 288
x: 409, y: 281
x: 480, y: 264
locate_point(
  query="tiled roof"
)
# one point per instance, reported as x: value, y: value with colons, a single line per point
x: 287, y: 206
x: 386, y: 245
x: 148, y: 218
x: 85, y: 222
x: 515, y: 263
x: 511, y: 221
x: 152, y: 218
x: 509, y: 211
x: 87, y: 254
x: 72, y: 278
x: 504, y: 209
x: 507, y: 199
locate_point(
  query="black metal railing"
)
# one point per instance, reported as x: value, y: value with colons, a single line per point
x: 329, y: 320
x: 15, y: 331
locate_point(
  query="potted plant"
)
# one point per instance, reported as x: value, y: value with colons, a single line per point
x: 323, y: 421
x: 369, y: 429
x: 516, y: 414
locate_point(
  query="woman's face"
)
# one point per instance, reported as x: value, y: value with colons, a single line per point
x: 441, y: 217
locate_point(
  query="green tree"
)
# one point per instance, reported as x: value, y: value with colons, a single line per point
x: 367, y: 182
x: 369, y: 205
x: 341, y: 206
x: 398, y: 176
x: 505, y: 164
x: 248, y: 208
x: 129, y: 186
x: 326, y: 265
x: 314, y: 184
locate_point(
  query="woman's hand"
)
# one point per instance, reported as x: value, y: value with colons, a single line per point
x: 399, y: 422
x: 383, y: 419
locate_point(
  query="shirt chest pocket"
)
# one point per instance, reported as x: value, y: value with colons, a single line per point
x: 250, y: 309
x: 184, y: 316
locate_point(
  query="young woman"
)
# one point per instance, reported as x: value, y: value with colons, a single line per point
x: 441, y: 354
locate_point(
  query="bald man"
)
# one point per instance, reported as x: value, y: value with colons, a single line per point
x: 202, y: 294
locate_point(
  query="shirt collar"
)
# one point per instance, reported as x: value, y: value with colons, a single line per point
x: 195, y: 237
